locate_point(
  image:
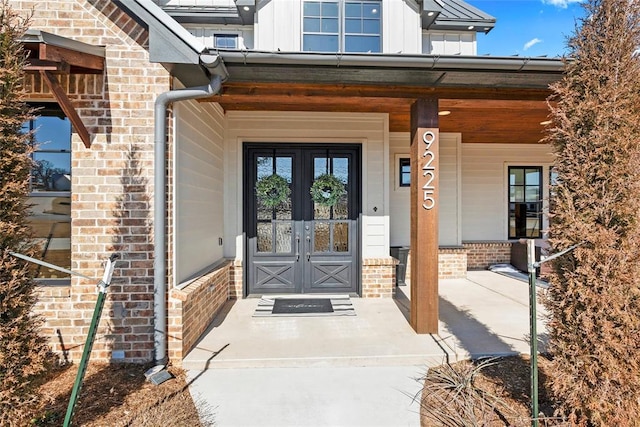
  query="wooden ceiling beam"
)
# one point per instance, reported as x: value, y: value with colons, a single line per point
x: 74, y: 58
x: 67, y: 106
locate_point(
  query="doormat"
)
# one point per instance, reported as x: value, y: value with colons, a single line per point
x: 295, y: 306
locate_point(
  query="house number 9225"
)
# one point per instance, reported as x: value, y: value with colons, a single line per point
x: 428, y: 172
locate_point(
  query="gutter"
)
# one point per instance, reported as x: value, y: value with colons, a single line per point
x: 417, y: 61
x: 159, y: 200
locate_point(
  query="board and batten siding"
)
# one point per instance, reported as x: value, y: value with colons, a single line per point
x: 485, y: 186
x: 369, y: 130
x: 278, y: 25
x: 449, y: 230
x: 449, y: 43
x: 198, y: 183
x: 206, y: 34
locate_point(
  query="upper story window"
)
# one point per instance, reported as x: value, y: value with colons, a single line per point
x: 50, y: 196
x: 342, y: 26
x: 525, y: 201
x: 225, y: 41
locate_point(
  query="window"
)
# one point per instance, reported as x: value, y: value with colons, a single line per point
x: 225, y: 41
x: 525, y: 201
x: 404, y: 168
x: 341, y: 26
x: 50, y: 195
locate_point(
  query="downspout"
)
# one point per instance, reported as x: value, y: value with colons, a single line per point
x: 159, y: 209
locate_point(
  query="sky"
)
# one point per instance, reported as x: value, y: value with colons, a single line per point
x: 528, y: 27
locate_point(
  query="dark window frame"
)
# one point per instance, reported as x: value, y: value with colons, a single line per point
x: 402, y: 162
x: 523, y: 211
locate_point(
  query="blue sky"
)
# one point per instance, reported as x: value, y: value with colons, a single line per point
x: 528, y: 27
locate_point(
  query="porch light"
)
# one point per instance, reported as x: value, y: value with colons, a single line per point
x: 470, y: 27
x: 246, y: 8
x: 444, y: 113
x: 430, y: 13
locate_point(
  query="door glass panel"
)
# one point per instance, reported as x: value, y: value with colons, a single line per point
x: 265, y: 237
x: 283, y: 237
x: 341, y: 237
x: 265, y: 166
x: 273, y: 235
x: 284, y: 167
x: 321, y: 236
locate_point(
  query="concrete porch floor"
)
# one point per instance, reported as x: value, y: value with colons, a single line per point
x: 354, y: 370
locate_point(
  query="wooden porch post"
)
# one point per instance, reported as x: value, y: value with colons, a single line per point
x: 424, y: 216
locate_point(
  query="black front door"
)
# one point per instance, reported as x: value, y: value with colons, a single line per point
x: 296, y: 245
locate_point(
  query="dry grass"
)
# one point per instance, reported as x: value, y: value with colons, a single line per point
x: 492, y: 393
x: 119, y: 395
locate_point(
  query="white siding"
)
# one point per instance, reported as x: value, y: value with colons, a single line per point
x: 401, y: 27
x: 278, y: 25
x: 484, y: 185
x: 198, y: 185
x: 449, y: 229
x: 205, y: 34
x: 449, y: 43
x: 370, y: 130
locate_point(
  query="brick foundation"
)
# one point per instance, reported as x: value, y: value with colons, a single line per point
x: 379, y: 277
x: 452, y: 263
x: 193, y: 308
x: 480, y: 255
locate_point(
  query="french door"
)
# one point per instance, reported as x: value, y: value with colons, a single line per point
x: 293, y: 244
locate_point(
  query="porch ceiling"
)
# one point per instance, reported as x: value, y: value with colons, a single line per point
x: 482, y: 114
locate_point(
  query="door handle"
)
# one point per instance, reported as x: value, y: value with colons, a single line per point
x: 297, y: 247
x: 308, y: 256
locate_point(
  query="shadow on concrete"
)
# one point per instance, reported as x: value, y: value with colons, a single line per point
x: 473, y: 336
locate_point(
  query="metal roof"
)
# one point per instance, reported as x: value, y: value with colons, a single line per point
x: 457, y: 15
x: 37, y: 37
x: 188, y: 60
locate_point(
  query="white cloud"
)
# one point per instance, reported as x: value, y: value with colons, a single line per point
x: 563, y: 4
x: 531, y: 43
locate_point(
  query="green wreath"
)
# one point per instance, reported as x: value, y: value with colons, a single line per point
x: 272, y: 190
x: 327, y: 190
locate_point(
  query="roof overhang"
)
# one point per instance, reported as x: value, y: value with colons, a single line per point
x: 58, y: 54
x: 454, y: 15
x: 242, y: 13
x: 392, y: 69
x: 50, y: 55
x: 173, y: 46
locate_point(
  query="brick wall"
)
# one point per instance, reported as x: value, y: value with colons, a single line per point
x: 192, y: 309
x: 480, y: 255
x: 379, y: 277
x: 452, y: 263
x: 111, y: 181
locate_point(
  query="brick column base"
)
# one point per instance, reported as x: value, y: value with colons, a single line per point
x: 379, y: 277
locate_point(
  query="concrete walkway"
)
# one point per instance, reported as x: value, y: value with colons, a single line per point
x: 361, y: 370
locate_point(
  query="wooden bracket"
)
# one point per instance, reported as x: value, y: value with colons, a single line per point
x: 67, y: 107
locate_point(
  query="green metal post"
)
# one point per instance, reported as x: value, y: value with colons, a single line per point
x: 93, y: 329
x: 531, y: 256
